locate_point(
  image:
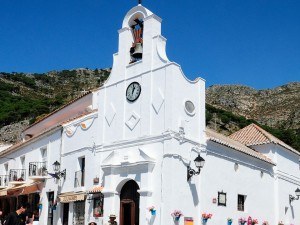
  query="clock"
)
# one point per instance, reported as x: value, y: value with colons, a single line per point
x: 133, y: 91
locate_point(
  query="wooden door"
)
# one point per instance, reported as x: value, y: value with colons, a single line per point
x: 127, y: 213
x: 129, y: 204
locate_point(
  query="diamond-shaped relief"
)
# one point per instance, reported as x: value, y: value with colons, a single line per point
x: 110, y: 114
x: 132, y: 121
x: 157, y: 100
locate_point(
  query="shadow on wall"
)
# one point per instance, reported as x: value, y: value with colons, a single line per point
x: 192, y: 186
x: 194, y: 193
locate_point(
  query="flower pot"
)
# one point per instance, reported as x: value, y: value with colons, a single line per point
x: 153, y: 212
x: 177, y: 218
x: 204, y: 221
x: 229, y: 222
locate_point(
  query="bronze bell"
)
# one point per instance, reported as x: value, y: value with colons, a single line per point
x: 138, y: 51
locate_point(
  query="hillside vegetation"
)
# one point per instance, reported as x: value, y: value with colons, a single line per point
x: 26, y: 97
x: 227, y: 123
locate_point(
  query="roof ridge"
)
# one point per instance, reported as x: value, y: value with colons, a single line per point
x: 234, y: 144
x: 249, y: 138
x: 263, y: 132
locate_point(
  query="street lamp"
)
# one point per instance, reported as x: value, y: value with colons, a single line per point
x: 56, y: 166
x: 297, y: 193
x: 199, y: 163
x: 58, y: 174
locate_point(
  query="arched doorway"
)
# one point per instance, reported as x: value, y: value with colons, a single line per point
x: 129, y: 205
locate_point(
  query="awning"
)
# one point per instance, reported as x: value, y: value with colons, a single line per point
x: 94, y: 190
x: 3, y: 192
x: 27, y: 188
x: 23, y: 189
x: 72, y: 197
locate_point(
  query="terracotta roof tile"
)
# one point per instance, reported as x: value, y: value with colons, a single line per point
x: 255, y: 135
x: 78, y: 116
x: 226, y: 141
x: 60, y: 108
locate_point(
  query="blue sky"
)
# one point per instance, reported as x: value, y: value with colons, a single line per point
x: 250, y: 42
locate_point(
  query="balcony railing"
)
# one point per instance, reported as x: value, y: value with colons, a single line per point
x: 79, y: 179
x: 17, y: 175
x: 37, y: 169
x: 3, y: 180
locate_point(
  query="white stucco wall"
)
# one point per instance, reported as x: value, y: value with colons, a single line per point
x: 253, y: 178
x: 32, y: 153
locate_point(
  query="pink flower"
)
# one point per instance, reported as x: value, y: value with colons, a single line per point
x: 206, y: 216
x: 151, y: 208
x: 176, y: 213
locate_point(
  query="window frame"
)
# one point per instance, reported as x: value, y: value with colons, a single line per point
x: 241, y: 204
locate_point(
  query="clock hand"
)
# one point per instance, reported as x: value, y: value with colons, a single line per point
x: 133, y: 89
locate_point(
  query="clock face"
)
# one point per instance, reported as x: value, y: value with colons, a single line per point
x: 133, y: 91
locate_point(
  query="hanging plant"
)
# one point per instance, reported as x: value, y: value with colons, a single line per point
x: 152, y: 210
x: 176, y: 214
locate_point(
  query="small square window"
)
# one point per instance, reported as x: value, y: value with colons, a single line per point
x: 241, y: 203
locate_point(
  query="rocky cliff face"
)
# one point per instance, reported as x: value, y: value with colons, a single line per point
x: 278, y: 107
x: 12, y: 133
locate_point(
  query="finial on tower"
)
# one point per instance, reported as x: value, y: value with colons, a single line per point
x: 140, y: 2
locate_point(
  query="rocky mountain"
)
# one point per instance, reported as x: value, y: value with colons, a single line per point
x: 232, y: 107
x: 26, y: 97
x: 278, y: 107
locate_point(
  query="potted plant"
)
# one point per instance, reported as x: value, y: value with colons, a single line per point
x: 254, y: 221
x: 205, y: 217
x: 176, y: 214
x: 229, y: 221
x: 242, y: 221
x: 152, y: 210
x: 280, y: 223
x: 265, y: 223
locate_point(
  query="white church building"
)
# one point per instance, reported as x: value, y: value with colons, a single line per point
x: 130, y: 145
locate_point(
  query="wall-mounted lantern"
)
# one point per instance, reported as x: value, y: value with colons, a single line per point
x: 199, y: 163
x: 297, y: 193
x: 58, y: 174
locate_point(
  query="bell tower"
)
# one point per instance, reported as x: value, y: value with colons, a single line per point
x: 146, y: 93
x: 140, y: 42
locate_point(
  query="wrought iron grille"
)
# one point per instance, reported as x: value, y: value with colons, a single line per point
x: 17, y: 175
x: 78, y: 215
x: 37, y: 169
